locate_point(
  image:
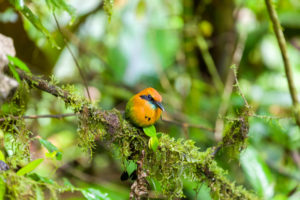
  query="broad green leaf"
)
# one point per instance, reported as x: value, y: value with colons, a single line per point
x: 2, y: 188
x: 257, y: 172
x: 19, y: 63
x: 2, y: 157
x: 131, y: 166
x: 94, y: 194
x: 51, y: 148
x: 30, y: 167
x: 150, y: 131
x: 153, y: 143
x: 14, y: 72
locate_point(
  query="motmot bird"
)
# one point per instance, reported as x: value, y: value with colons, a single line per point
x: 144, y: 108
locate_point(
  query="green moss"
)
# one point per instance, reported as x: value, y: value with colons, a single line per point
x: 173, y: 161
x: 178, y: 159
x: 16, y: 135
x: 32, y: 187
x: 235, y: 136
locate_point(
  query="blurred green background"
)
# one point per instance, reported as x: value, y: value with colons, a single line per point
x: 156, y: 43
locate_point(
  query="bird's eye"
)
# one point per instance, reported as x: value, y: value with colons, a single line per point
x: 149, y: 97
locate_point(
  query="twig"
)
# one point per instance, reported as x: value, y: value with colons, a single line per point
x: 268, y: 117
x: 73, y: 56
x: 58, y: 116
x: 237, y: 84
x: 236, y: 59
x: 243, y: 118
x: 256, y: 116
x: 82, y: 47
x: 293, y: 191
x: 209, y: 62
x: 187, y: 125
x: 219, y: 126
x: 164, y: 81
x: 287, y: 66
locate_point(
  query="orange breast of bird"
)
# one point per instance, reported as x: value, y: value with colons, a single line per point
x: 142, y: 112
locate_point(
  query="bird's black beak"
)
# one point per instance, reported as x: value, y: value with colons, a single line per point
x: 159, y: 105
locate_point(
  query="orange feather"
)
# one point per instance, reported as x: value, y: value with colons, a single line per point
x: 144, y: 108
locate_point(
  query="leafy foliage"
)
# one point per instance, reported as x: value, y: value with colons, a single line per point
x: 62, y: 5
x: 19, y: 6
x: 181, y: 49
x: 151, y: 132
x: 92, y: 194
x: 29, y: 167
x: 23, y: 187
x: 19, y: 63
x: 51, y: 148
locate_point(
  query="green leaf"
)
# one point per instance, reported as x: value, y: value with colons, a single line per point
x: 257, y: 172
x: 20, y: 6
x: 14, y: 72
x: 94, y: 194
x: 131, y: 166
x: 2, y: 157
x: 2, y: 188
x: 153, y: 143
x: 50, y: 154
x: 51, y: 148
x: 150, y: 131
x: 61, y: 4
x: 30, y: 167
x: 19, y: 63
x: 36, y: 177
x: 159, y: 134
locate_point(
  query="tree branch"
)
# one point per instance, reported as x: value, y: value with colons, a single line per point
x: 199, y: 166
x: 188, y: 125
x: 58, y: 116
x: 287, y: 65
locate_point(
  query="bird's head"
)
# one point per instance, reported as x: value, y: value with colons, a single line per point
x: 152, y: 96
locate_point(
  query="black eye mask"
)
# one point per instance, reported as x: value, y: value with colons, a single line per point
x: 148, y: 98
x: 152, y: 101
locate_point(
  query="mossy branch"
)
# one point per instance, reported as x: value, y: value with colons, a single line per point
x: 287, y: 65
x: 174, y: 160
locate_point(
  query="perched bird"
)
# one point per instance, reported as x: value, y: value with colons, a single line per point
x: 144, y: 108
